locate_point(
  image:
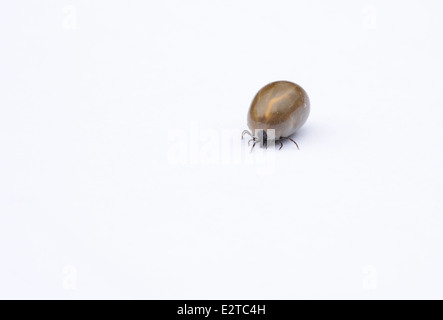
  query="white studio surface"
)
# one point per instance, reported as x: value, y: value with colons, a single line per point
x: 116, y: 182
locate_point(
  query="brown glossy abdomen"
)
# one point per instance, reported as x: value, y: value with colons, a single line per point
x: 283, y: 106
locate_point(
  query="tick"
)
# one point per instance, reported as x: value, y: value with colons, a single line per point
x: 282, y: 106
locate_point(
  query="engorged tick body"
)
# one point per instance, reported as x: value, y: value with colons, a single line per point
x: 282, y: 106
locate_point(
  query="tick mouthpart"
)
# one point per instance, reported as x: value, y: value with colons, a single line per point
x: 262, y: 138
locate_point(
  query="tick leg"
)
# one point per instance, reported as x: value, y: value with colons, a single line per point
x: 246, y: 132
x: 253, y: 147
x: 283, y: 138
x: 295, y: 143
x: 281, y: 145
x: 249, y: 142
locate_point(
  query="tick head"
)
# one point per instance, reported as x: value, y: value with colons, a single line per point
x: 263, y: 138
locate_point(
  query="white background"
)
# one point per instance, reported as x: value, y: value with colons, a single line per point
x: 112, y: 178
